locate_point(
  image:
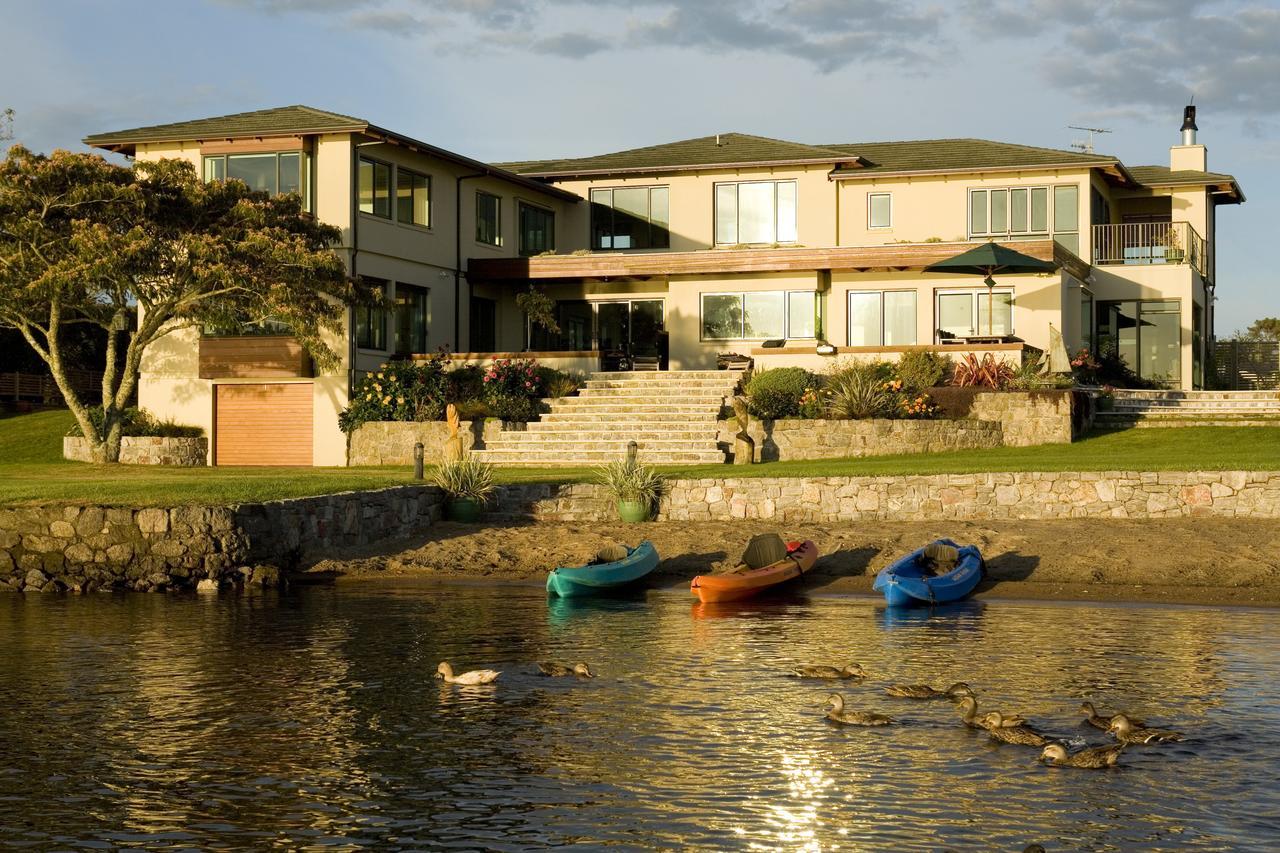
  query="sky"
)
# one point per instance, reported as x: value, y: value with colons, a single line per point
x: 528, y: 79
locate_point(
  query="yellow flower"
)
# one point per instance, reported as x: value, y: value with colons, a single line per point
x: 386, y: 399
x: 379, y: 374
x: 400, y: 401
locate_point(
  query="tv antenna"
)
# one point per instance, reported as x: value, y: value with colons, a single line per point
x: 1086, y: 145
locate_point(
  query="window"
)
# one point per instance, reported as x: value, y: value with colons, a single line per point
x: 1146, y: 334
x: 537, y: 230
x: 630, y: 218
x: 371, y: 322
x: 375, y: 188
x: 1066, y: 217
x: 974, y: 313
x: 575, y: 318
x: 1086, y: 320
x: 879, y: 210
x: 484, y: 324
x: 759, y: 315
x: 758, y: 212
x: 413, y: 197
x: 1019, y: 212
x: 882, y: 318
x: 411, y: 319
x: 488, y: 219
x: 275, y: 174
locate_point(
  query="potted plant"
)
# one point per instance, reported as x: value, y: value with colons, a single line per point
x: 637, y: 488
x: 467, y: 484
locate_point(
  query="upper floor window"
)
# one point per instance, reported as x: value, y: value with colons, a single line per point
x: 537, y: 230
x: 375, y: 188
x: 759, y: 315
x: 879, y: 210
x: 1025, y: 213
x: 630, y: 218
x: 275, y: 174
x: 755, y: 212
x: 413, y: 197
x: 488, y: 219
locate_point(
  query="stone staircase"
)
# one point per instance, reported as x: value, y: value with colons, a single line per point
x: 671, y: 415
x: 1191, y: 408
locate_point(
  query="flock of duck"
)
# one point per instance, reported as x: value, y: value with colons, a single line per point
x: 1006, y: 728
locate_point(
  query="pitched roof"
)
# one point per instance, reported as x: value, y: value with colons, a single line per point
x: 725, y: 149
x: 929, y: 155
x: 273, y: 122
x: 1163, y: 176
x: 296, y: 120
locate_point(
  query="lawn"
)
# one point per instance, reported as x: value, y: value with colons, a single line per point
x: 32, y: 469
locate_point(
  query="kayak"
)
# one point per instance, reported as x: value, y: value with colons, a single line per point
x: 602, y: 577
x: 744, y: 582
x: 905, y: 581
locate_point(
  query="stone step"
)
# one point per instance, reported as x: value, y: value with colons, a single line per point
x: 606, y: 408
x: 703, y: 435
x: 1134, y: 394
x: 1242, y: 406
x: 555, y: 458
x: 629, y: 419
x: 1150, y: 423
x: 557, y: 442
x: 728, y: 376
x: 630, y: 395
x: 1182, y: 417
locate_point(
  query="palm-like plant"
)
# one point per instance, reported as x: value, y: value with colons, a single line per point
x: 465, y: 479
x: 854, y: 395
x: 630, y: 481
x: 989, y: 372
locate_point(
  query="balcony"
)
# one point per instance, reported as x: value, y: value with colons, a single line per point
x: 1146, y: 243
x: 253, y: 357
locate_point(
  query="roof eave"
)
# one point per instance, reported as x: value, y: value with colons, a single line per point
x: 108, y: 141
x: 868, y: 174
x: 686, y: 167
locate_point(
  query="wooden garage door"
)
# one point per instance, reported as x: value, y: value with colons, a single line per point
x: 263, y: 424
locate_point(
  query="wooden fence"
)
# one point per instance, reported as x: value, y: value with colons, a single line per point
x: 40, y: 387
x: 1247, y: 365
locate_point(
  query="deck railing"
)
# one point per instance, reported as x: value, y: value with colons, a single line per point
x: 1148, y: 243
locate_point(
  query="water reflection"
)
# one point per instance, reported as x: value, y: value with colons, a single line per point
x: 315, y: 720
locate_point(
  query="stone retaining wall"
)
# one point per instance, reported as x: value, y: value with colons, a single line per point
x: 145, y: 450
x: 391, y: 442
x: 825, y: 439
x: 1027, y: 417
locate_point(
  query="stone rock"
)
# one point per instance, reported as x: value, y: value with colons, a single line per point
x: 79, y: 553
x: 62, y: 529
x: 207, y: 585
x: 92, y: 520
x: 153, y: 520
x: 121, y: 553
x: 169, y: 548
x: 35, y: 579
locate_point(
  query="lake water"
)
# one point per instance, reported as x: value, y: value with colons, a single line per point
x: 312, y: 719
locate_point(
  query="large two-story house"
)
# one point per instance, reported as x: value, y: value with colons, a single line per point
x: 666, y: 256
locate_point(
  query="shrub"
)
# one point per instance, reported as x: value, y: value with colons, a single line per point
x: 558, y: 383
x: 813, y: 403
x: 921, y: 370
x: 858, y: 394
x: 138, y: 423
x: 986, y: 373
x: 466, y: 383
x: 399, y: 391
x: 1106, y: 367
x: 776, y: 393
x: 628, y: 480
x: 918, y: 407
x: 1033, y: 373
x: 467, y: 478
x: 512, y: 388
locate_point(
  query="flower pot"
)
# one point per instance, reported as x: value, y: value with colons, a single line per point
x: 463, y: 509
x: 633, y: 511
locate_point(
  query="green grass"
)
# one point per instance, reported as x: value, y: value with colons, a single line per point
x: 32, y: 470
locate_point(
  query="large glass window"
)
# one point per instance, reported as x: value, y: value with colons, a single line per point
x: 1086, y: 320
x: 1146, y: 334
x: 759, y: 315
x: 274, y: 174
x: 756, y: 212
x: 879, y: 210
x: 575, y: 318
x: 882, y: 318
x: 371, y: 321
x: 375, y: 188
x: 1066, y: 217
x: 484, y: 324
x: 537, y: 230
x: 411, y: 319
x: 488, y: 219
x: 630, y: 218
x: 413, y: 198
x: 975, y: 313
x: 1025, y: 213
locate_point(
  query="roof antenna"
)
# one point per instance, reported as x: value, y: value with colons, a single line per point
x: 717, y: 140
x: 1086, y: 145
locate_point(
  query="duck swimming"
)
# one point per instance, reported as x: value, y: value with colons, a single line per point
x: 1096, y: 758
x: 1127, y: 732
x: 838, y: 714
x: 853, y: 670
x: 1102, y: 721
x: 924, y: 691
x: 969, y: 716
x: 475, y: 676
x: 1024, y: 734
x: 559, y: 670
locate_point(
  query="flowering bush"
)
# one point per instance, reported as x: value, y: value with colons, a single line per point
x: 512, y: 387
x: 399, y: 391
x: 918, y: 406
x: 813, y: 402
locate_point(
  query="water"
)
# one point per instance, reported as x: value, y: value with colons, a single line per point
x: 312, y: 721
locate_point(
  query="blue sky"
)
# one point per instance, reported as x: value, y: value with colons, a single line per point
x: 522, y: 79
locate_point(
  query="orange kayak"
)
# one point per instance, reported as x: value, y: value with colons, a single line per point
x: 744, y: 582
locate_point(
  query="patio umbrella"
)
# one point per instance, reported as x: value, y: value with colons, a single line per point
x: 987, y: 260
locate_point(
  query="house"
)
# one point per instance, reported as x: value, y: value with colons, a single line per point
x: 666, y: 256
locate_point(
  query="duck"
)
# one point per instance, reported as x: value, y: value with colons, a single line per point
x: 1024, y: 734
x: 1102, y: 721
x: 1094, y: 758
x: 475, y: 676
x: 1126, y: 731
x: 838, y: 714
x: 969, y: 707
x: 560, y: 670
x: 924, y: 691
x: 853, y: 670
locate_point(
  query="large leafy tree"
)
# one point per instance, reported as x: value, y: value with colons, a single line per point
x: 1264, y: 329
x: 155, y: 249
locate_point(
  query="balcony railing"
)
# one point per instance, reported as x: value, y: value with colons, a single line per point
x: 1148, y: 243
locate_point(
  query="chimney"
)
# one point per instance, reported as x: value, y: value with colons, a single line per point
x: 1190, y: 155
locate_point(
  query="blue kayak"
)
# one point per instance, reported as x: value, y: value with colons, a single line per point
x: 588, y: 579
x: 905, y: 581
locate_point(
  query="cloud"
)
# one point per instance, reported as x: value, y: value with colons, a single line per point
x: 570, y: 45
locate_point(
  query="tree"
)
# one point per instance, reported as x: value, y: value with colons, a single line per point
x: 1265, y: 329
x: 84, y: 241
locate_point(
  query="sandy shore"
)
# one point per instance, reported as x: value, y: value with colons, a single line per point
x: 1190, y: 561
